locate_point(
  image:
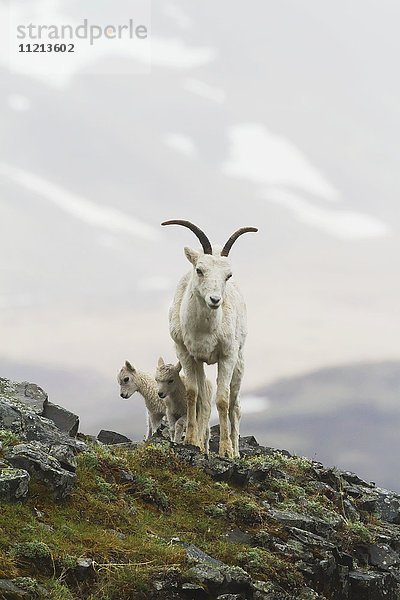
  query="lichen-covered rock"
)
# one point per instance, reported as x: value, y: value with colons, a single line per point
x: 43, y: 467
x: 10, y: 591
x: 369, y: 585
x: 21, y: 411
x: 384, y: 504
x: 14, y: 484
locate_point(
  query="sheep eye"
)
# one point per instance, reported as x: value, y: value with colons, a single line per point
x: 126, y: 379
x: 171, y: 381
x: 199, y: 272
x: 228, y: 276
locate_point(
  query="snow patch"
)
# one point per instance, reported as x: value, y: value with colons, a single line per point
x: 91, y: 213
x: 345, y: 224
x: 262, y: 157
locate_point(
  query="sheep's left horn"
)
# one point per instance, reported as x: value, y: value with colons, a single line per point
x: 203, y: 239
x: 234, y: 237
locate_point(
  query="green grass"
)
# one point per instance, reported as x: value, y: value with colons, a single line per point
x: 164, y: 499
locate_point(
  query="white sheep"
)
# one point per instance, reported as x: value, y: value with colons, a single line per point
x: 171, y: 387
x: 207, y: 322
x: 133, y: 380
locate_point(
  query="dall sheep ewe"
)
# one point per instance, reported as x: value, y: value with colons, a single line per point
x: 207, y: 322
x: 171, y: 387
x: 133, y: 380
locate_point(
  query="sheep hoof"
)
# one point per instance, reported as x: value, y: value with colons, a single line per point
x: 191, y: 440
x: 225, y: 450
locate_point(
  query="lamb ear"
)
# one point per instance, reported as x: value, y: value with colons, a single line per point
x: 178, y: 366
x: 160, y: 362
x: 191, y: 255
x: 129, y: 366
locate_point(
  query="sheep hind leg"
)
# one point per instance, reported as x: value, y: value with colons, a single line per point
x: 191, y: 436
x: 234, y: 406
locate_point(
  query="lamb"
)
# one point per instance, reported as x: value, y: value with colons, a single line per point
x: 171, y: 386
x: 133, y: 380
x: 207, y: 322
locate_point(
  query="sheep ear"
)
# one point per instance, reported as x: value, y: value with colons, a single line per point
x: 178, y: 366
x: 160, y: 361
x: 191, y: 255
x: 129, y: 366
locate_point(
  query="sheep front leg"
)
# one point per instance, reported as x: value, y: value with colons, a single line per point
x: 189, y: 368
x: 225, y: 370
x: 171, y: 424
x: 191, y: 436
x: 155, y: 421
x: 149, y: 431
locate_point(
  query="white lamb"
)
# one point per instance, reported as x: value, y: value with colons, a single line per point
x: 171, y: 387
x: 133, y: 380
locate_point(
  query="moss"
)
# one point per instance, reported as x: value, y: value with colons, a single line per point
x: 8, y: 438
x: 188, y: 485
x: 246, y: 511
x: 35, y: 550
x: 28, y: 584
x: 359, y: 531
x: 216, y: 510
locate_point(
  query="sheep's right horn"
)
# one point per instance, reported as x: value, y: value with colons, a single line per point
x: 234, y: 237
x: 203, y: 239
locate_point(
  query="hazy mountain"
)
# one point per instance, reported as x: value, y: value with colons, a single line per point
x: 347, y: 415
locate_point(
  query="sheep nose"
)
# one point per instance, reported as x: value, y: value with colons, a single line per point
x: 215, y: 299
x: 122, y: 395
x: 161, y: 394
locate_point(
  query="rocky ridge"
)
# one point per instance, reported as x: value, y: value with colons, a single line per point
x: 304, y: 531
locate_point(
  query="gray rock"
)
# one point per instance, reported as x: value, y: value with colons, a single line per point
x: 236, y: 580
x: 14, y: 484
x: 382, y: 556
x: 368, y: 585
x: 64, y: 419
x: 20, y: 414
x: 83, y: 569
x: 220, y: 469
x: 207, y: 575
x: 305, y: 522
x: 32, y: 395
x: 111, y: 437
x: 265, y: 590
x: 65, y: 456
x: 194, y: 553
x: 10, y: 417
x: 43, y: 467
x: 383, y: 504
x: 236, y: 536
x: 10, y: 591
x: 194, y: 591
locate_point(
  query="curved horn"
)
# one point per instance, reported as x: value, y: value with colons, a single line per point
x: 234, y: 237
x: 204, y: 241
